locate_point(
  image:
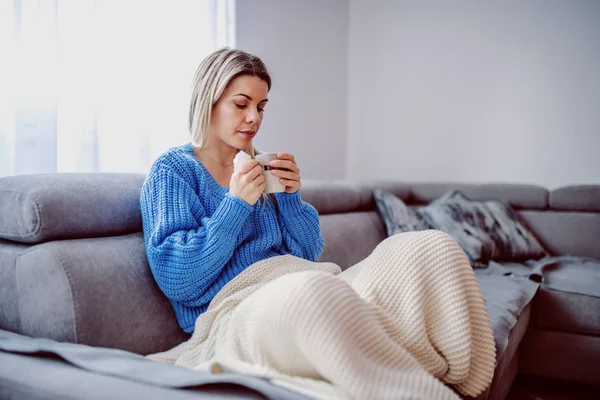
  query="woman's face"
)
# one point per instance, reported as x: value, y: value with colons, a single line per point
x: 237, y: 116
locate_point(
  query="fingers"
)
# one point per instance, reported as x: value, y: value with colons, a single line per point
x: 249, y: 170
x: 247, y: 166
x: 254, y: 173
x: 290, y: 185
x: 286, y: 174
x: 286, y: 156
x: 285, y: 169
x: 288, y: 171
x: 249, y: 182
x: 290, y: 182
x: 285, y: 164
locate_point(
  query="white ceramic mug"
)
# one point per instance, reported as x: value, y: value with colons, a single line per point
x: 272, y: 183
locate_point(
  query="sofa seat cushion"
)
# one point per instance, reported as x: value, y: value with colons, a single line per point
x: 566, y: 312
x: 508, y: 301
x: 506, y: 297
x: 35, y: 368
x: 507, y: 363
x: 561, y: 356
x: 569, y: 296
x: 569, y: 300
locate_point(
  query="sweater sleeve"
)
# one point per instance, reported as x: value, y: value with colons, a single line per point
x: 186, y: 249
x: 300, y: 226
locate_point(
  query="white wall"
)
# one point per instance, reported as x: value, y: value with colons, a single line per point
x: 474, y: 91
x: 304, y: 44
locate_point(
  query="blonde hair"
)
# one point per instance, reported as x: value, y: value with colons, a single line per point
x: 212, y: 77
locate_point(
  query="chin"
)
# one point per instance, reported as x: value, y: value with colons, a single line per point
x: 238, y: 145
x: 244, y: 146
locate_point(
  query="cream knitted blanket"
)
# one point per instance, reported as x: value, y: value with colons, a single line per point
x: 407, y: 322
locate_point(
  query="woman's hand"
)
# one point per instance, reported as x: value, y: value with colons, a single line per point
x: 291, y: 177
x: 248, y: 183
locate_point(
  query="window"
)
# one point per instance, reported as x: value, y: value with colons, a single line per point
x: 100, y: 85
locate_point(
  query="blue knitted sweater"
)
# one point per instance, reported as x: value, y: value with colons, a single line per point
x: 198, y: 236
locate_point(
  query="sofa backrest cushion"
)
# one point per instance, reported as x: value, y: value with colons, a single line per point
x: 573, y: 232
x: 350, y: 237
x: 519, y: 196
x: 40, y: 208
x: 96, y: 291
x: 576, y: 198
x: 565, y: 232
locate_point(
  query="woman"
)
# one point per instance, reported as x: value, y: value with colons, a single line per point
x: 240, y: 269
x: 202, y: 225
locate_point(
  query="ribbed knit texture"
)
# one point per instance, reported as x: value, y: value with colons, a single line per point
x: 198, y: 236
x: 408, y: 322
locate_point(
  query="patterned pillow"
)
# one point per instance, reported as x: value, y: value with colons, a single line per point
x: 397, y: 216
x: 486, y: 231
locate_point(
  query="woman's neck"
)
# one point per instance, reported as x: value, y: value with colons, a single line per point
x: 223, y: 157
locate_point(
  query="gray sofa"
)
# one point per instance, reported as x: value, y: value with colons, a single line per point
x: 73, y: 270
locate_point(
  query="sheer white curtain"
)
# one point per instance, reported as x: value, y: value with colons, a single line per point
x: 100, y: 85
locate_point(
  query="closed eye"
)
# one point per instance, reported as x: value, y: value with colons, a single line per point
x: 242, y: 106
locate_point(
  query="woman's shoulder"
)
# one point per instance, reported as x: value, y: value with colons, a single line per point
x: 179, y: 161
x: 178, y: 156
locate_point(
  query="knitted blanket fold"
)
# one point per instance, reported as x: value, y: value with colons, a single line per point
x: 407, y: 322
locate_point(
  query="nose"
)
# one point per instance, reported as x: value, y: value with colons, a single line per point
x: 251, y: 115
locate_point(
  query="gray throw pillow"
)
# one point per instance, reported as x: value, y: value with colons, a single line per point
x: 489, y: 230
x: 397, y: 216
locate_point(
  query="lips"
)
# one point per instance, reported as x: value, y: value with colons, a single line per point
x: 248, y: 133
